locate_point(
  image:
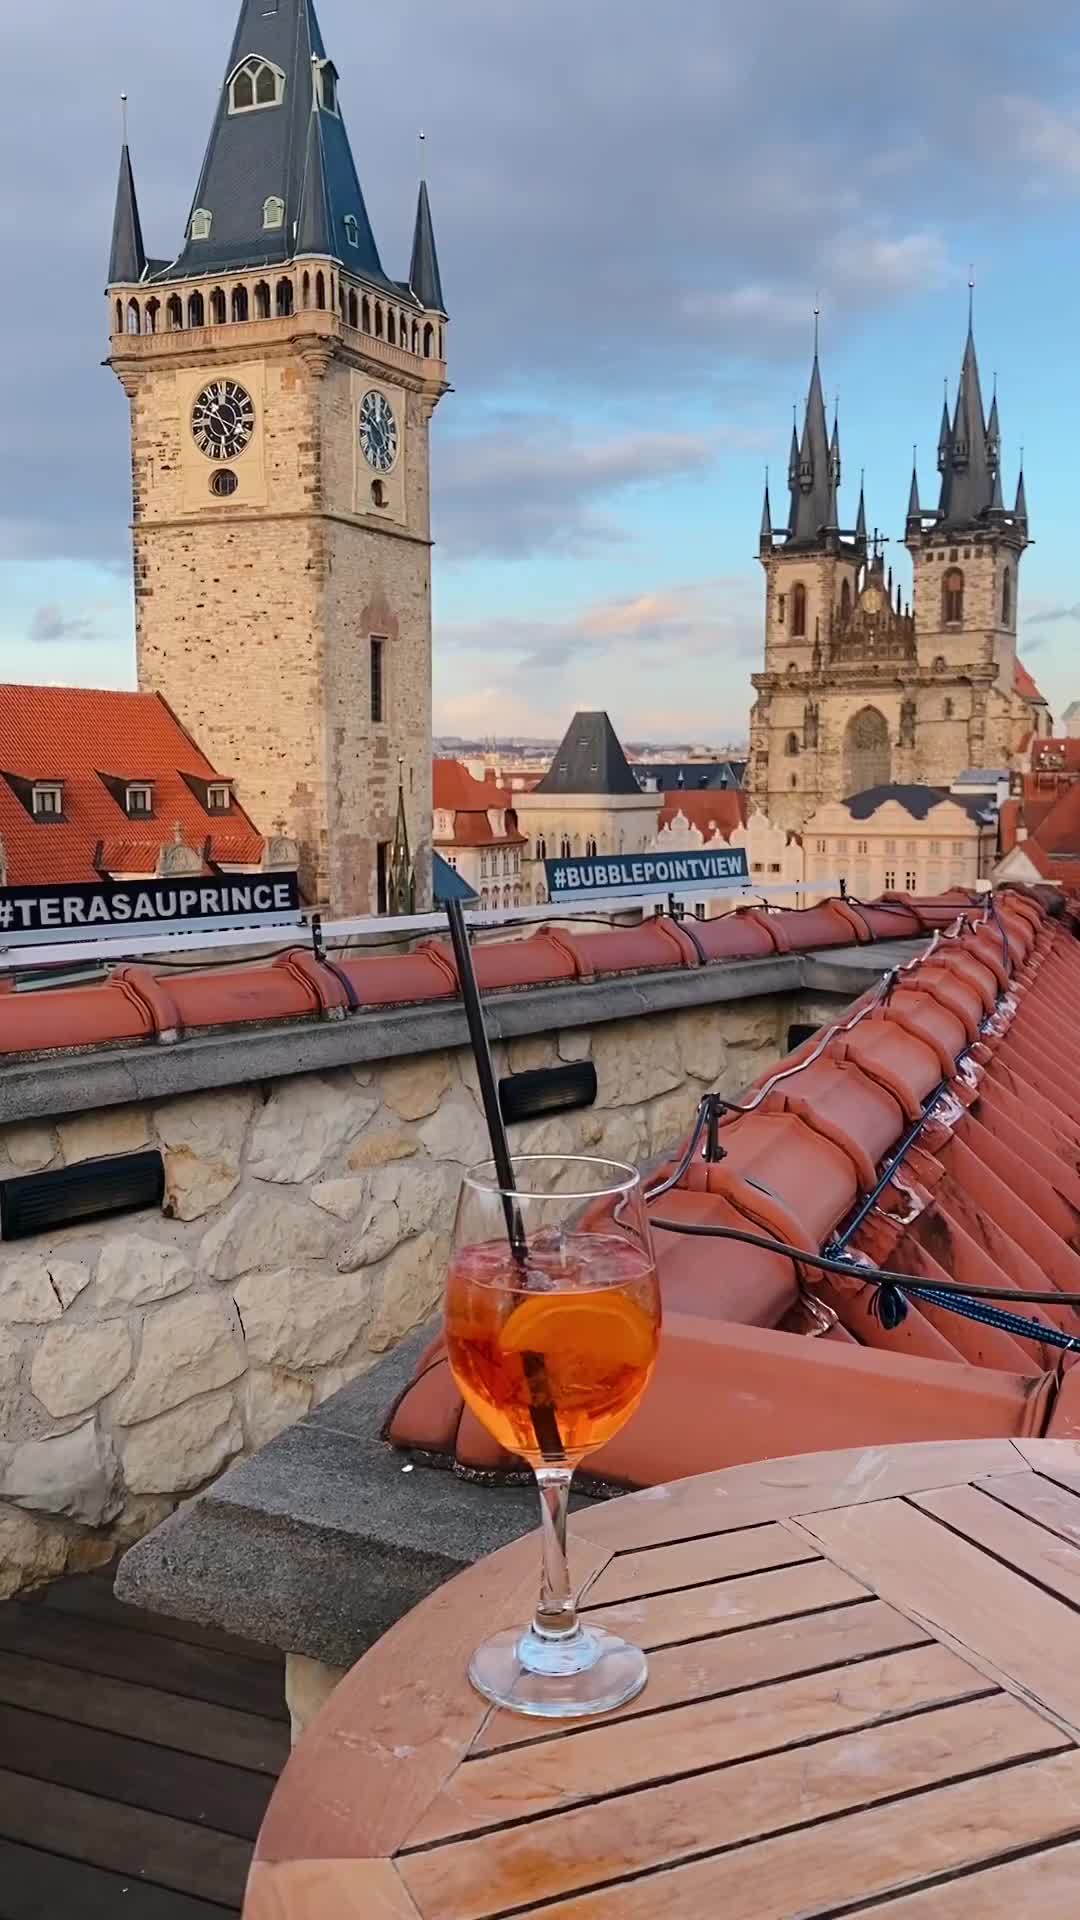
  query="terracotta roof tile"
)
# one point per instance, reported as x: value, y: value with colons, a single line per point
x: 77, y: 735
x: 455, y: 790
x: 711, y: 809
x: 1025, y: 685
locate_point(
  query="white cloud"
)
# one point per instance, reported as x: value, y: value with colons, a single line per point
x: 1044, y: 136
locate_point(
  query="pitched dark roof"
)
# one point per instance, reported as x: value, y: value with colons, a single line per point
x: 692, y: 776
x: 447, y: 883
x: 127, y: 258
x: 812, y: 477
x: 590, y: 760
x: 298, y: 151
x: 915, y: 800
x: 424, y: 276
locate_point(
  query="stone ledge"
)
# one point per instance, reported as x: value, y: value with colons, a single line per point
x: 78, y: 1082
x: 322, y: 1540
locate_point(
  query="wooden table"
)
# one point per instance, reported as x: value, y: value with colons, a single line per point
x: 864, y: 1698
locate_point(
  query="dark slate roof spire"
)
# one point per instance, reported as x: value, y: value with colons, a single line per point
x: 793, y: 459
x: 914, y: 510
x: 424, y: 276
x: 1020, y: 511
x: 766, y: 538
x: 294, y: 148
x: 127, y: 258
x: 860, y: 519
x: 967, y: 470
x: 590, y: 760
x: 812, y: 507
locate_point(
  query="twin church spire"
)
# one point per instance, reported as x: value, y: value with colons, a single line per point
x: 278, y: 179
x: 969, y: 461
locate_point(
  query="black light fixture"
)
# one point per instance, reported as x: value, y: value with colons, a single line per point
x: 39, y: 1202
x: 545, y: 1090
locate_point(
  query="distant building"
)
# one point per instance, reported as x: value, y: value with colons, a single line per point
x: 773, y: 856
x: 476, y: 833
x: 688, y: 776
x: 109, y: 786
x: 588, y: 802
x: 900, y: 839
x: 859, y: 690
x: 1048, y: 852
x: 1070, y: 720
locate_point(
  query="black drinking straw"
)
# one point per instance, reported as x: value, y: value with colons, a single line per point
x: 545, y: 1424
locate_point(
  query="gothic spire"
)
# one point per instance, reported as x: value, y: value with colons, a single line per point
x: 766, y: 538
x: 402, y: 879
x: 793, y: 459
x: 279, y: 171
x: 914, y: 510
x: 967, y: 470
x: 860, y: 520
x: 127, y: 260
x: 812, y: 507
x: 993, y: 434
x: 834, y: 448
x: 1020, y: 511
x: 424, y: 276
x: 945, y: 436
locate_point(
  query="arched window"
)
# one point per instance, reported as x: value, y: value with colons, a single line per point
x: 541, y: 848
x: 201, y: 222
x: 794, y: 780
x: 867, y: 752
x: 947, y: 710
x: 262, y: 301
x: 305, y: 290
x: 564, y: 848
x: 328, y: 87
x: 196, y: 310
x: 174, y: 314
x: 416, y: 336
x: 403, y: 329
x: 1006, y: 599
x: 845, y: 600
x: 429, y: 340
x: 378, y: 320
x: 391, y: 327
x: 798, y: 610
x: 484, y: 899
x: 952, y: 597
x: 320, y: 290
x: 341, y: 300
x: 274, y: 211
x: 257, y: 83
x: 239, y: 305
x: 119, y: 316
x: 284, y: 298
x: 590, y: 848
x: 354, y: 308
x: 791, y: 745
x: 352, y: 229
x: 541, y: 896
x: 440, y: 343
x: 134, y: 317
x: 218, y: 309
x: 365, y: 314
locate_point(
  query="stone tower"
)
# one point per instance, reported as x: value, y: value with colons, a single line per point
x: 282, y: 388
x: 966, y: 562
x: 857, y: 691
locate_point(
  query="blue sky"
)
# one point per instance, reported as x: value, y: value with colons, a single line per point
x: 635, y: 212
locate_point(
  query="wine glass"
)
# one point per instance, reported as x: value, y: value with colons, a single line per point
x: 552, y: 1328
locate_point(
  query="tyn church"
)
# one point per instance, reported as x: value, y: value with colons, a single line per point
x: 281, y: 386
x: 859, y: 690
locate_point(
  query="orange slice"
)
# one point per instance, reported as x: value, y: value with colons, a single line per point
x: 608, y: 1327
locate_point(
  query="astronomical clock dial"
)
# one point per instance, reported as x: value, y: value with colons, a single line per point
x: 223, y: 420
x: 378, y: 432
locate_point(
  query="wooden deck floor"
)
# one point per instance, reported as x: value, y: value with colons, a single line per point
x: 137, y: 1755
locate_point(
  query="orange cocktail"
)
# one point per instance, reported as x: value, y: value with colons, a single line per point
x: 568, y: 1334
x: 552, y: 1327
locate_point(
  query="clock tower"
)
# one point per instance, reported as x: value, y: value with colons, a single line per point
x: 282, y: 388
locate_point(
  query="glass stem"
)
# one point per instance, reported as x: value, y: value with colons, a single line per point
x: 556, y: 1614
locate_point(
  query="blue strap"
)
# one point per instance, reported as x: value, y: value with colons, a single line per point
x: 890, y: 1306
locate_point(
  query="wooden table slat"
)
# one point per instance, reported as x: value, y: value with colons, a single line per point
x: 719, y: 1556
x: 328, y: 1890
x: 1025, y: 1635
x: 758, y: 1656
x: 728, y: 1807
x: 1046, y: 1501
x: 1041, y: 1886
x: 728, y: 1605
x: 1007, y: 1535
x: 866, y: 1854
x: 528, y: 1781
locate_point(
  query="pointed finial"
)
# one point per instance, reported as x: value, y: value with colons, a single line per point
x: 178, y: 833
x: 124, y: 118
x: 817, y: 320
x: 971, y: 297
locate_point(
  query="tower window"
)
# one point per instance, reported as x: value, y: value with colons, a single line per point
x: 791, y: 745
x: 798, y: 610
x: 257, y: 83
x: 564, y: 848
x: 590, y: 848
x: 378, y: 493
x: 1006, y: 599
x: 274, y: 211
x: 952, y: 597
x: 201, y: 222
x: 948, y: 710
x: 352, y: 230
x: 541, y: 848
x: 939, y: 663
x: 174, y: 314
x: 328, y: 87
x: 196, y: 310
x: 262, y: 301
x: 284, y: 298
x: 378, y: 680
x: 218, y: 309
x: 239, y: 303
x: 224, y: 483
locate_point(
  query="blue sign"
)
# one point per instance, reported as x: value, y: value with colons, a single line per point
x: 637, y: 873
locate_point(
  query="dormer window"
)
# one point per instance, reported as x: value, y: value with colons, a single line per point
x: 352, y: 230
x: 218, y: 797
x: 257, y: 83
x: 139, y: 801
x: 47, y: 800
x: 327, y: 86
x: 201, y: 222
x: 274, y: 211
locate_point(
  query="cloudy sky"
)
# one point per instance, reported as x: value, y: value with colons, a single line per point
x: 635, y: 208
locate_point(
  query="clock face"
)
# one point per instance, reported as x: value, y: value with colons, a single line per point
x: 378, y: 432
x: 223, y: 420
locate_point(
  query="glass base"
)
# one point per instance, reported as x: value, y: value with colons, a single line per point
x: 591, y: 1672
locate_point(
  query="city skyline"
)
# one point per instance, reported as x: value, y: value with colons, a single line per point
x: 624, y: 377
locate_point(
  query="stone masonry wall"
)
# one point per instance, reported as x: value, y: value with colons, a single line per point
x: 305, y: 1233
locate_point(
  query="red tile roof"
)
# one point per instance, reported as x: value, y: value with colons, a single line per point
x: 471, y: 802
x: 1056, y: 756
x: 1025, y: 685
x: 711, y: 810
x: 78, y: 734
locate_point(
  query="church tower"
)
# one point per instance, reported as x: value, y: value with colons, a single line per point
x: 966, y: 560
x: 282, y: 387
